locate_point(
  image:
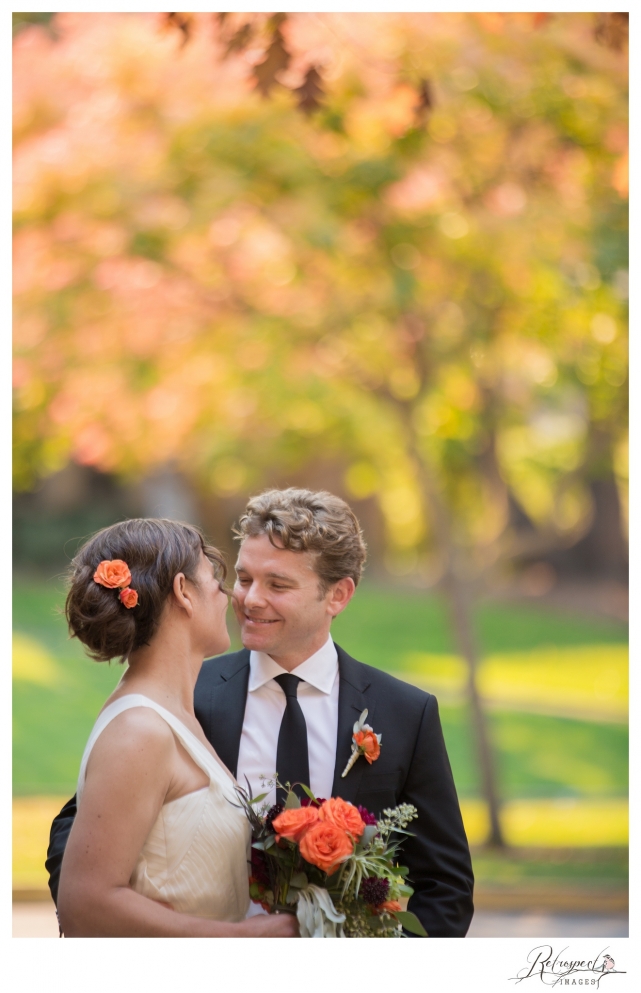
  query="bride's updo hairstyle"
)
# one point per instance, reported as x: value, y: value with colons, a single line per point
x: 155, y: 551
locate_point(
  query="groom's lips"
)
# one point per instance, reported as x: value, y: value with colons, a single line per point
x: 259, y: 620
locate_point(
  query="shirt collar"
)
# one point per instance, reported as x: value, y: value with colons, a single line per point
x: 319, y: 670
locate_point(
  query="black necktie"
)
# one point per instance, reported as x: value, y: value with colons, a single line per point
x: 292, y: 760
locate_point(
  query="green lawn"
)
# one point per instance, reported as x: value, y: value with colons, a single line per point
x: 380, y: 627
x: 53, y: 712
x: 597, y: 866
x: 540, y: 756
x: 58, y: 692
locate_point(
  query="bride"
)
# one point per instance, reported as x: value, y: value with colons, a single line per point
x: 157, y: 848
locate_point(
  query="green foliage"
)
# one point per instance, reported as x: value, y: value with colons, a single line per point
x: 292, y: 802
x: 425, y: 275
x: 411, y: 923
x: 23, y: 20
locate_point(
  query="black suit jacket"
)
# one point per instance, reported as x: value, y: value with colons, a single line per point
x: 413, y: 767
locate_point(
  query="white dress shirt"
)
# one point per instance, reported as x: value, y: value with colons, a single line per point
x: 266, y: 701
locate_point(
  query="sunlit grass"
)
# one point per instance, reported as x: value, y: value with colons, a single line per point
x: 33, y: 662
x: 32, y: 817
x: 572, y: 823
x: 590, y: 680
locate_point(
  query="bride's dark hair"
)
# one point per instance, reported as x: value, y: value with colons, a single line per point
x: 155, y: 550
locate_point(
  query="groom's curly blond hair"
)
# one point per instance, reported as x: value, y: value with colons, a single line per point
x: 303, y: 521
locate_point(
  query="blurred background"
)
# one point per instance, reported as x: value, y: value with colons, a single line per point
x: 381, y: 254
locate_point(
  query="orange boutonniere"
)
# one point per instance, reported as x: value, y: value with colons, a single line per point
x: 364, y: 742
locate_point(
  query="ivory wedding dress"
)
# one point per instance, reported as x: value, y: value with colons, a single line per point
x: 195, y: 856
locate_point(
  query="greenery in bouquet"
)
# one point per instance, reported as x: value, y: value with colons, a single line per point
x: 331, y: 863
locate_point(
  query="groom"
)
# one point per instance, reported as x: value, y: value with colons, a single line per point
x: 289, y: 699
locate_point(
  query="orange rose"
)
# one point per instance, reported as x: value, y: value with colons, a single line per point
x: 129, y: 597
x: 344, y: 815
x: 112, y: 573
x: 368, y: 741
x: 391, y: 905
x: 326, y: 846
x: 293, y: 824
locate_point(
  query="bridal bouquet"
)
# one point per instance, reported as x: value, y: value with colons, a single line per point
x: 331, y: 863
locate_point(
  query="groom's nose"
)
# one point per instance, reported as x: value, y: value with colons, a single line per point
x: 254, y: 596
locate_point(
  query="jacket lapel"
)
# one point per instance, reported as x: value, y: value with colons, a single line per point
x: 228, y: 701
x: 352, y: 701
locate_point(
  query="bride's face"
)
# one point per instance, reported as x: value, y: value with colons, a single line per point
x: 211, y: 609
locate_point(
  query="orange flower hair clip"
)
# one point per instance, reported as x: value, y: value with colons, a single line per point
x: 115, y: 574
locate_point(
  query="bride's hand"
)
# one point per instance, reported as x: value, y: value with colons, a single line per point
x: 272, y: 926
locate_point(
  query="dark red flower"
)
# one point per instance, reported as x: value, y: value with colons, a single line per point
x: 307, y: 802
x: 365, y: 814
x: 374, y: 891
x: 259, y: 867
x: 272, y: 813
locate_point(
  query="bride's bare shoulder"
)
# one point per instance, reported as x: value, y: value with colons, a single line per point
x: 134, y: 735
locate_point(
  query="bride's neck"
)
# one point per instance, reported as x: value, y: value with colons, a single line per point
x: 168, y: 667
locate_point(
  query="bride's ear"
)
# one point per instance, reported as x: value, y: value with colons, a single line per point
x: 182, y: 594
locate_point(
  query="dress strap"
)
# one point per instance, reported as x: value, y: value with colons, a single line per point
x: 187, y: 738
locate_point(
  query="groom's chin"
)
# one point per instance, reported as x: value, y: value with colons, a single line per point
x: 254, y: 641
x: 257, y: 641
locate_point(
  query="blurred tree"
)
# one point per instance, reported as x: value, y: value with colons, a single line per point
x: 22, y: 20
x: 424, y: 272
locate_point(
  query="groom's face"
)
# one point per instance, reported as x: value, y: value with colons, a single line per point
x: 278, y: 603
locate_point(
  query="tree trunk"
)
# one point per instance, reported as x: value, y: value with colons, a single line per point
x: 462, y: 623
x: 602, y: 552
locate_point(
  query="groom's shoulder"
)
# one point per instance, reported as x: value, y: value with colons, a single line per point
x: 395, y: 691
